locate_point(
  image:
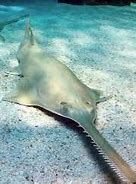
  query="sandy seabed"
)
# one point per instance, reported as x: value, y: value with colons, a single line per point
x: 99, y: 44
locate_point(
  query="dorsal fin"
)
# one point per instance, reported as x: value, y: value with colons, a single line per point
x: 29, y: 33
x: 27, y: 28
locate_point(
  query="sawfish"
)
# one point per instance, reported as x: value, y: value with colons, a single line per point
x: 48, y: 83
x: 10, y: 21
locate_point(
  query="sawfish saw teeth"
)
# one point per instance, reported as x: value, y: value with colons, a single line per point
x: 106, y: 159
x: 110, y: 163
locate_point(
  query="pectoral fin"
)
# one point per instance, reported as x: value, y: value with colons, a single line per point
x: 23, y: 94
x: 97, y: 95
x: 19, y: 98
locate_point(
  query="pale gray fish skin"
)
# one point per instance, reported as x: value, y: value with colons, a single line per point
x: 49, y: 84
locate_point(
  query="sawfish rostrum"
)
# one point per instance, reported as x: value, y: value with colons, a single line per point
x: 49, y: 84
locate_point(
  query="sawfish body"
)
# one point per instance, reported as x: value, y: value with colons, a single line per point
x: 49, y: 84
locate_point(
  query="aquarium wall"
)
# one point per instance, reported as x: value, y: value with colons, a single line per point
x: 26, y: 1
x: 77, y: 2
x: 96, y: 2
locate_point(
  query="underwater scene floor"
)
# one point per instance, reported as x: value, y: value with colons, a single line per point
x: 98, y: 43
